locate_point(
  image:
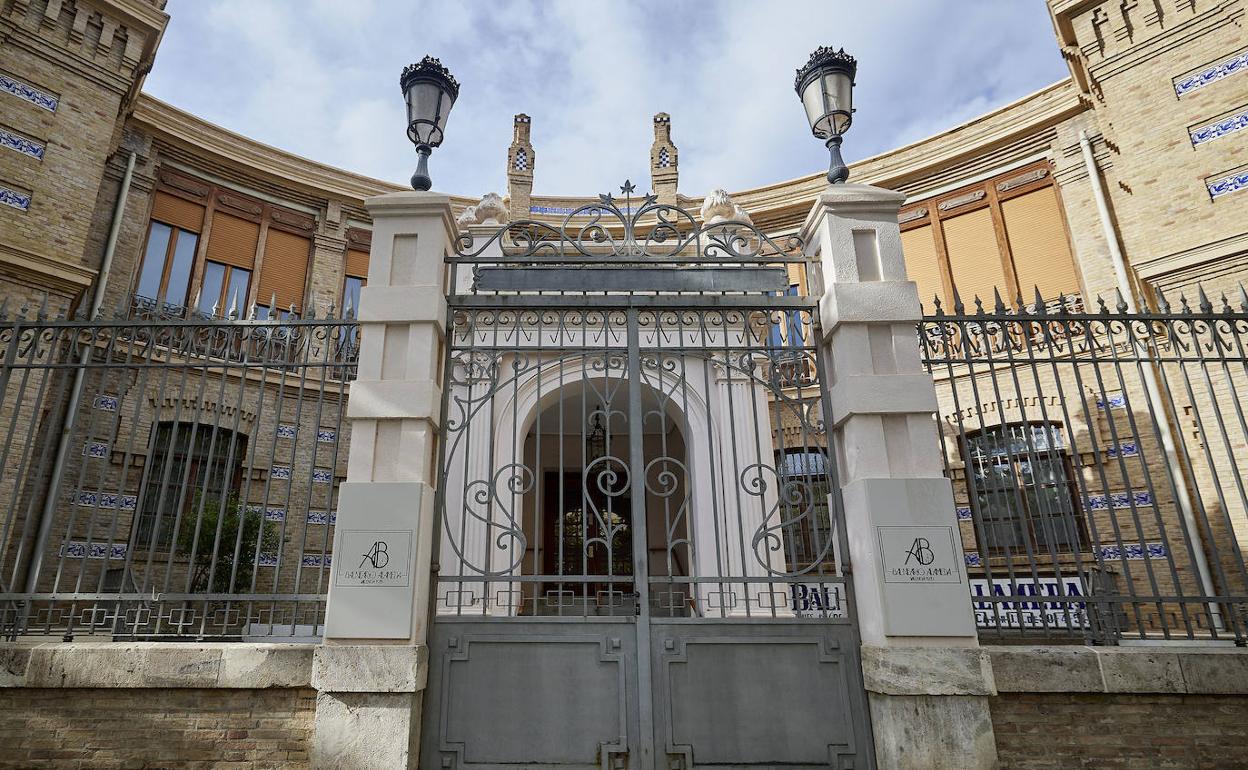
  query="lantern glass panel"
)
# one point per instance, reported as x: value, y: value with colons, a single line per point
x: 427, y: 107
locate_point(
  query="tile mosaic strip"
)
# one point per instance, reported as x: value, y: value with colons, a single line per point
x: 1212, y: 73
x: 326, y: 436
x: 78, y: 550
x: 95, y: 449
x: 286, y: 431
x: 1228, y: 184
x: 266, y: 560
x: 323, y: 517
x: 1125, y: 449
x: 314, y: 560
x: 1216, y: 130
x: 270, y: 514
x: 1119, y: 500
x: 15, y: 198
x: 19, y: 143
x: 29, y: 93
x: 107, y: 500
x: 1134, y: 551
x: 106, y: 402
x: 280, y: 472
x: 322, y: 476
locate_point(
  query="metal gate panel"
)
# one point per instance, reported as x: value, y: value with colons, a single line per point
x: 732, y: 695
x: 638, y: 516
x: 526, y: 694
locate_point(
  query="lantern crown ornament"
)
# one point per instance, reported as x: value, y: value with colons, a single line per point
x: 825, y: 86
x: 430, y: 91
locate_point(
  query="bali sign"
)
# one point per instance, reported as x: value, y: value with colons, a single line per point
x: 1022, y: 603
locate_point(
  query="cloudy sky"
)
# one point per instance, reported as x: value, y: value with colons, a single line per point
x: 320, y: 78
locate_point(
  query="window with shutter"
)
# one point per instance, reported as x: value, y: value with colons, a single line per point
x: 284, y: 270
x: 180, y: 213
x: 1037, y: 235
x: 974, y: 257
x: 918, y: 246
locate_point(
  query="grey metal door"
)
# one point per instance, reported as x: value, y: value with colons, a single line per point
x: 638, y: 519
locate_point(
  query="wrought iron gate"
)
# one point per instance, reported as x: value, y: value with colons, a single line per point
x: 639, y: 521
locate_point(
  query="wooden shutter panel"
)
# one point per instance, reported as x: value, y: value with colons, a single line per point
x: 1037, y: 234
x: 357, y: 263
x: 178, y: 212
x: 975, y: 258
x: 233, y: 240
x: 923, y: 266
x: 284, y: 269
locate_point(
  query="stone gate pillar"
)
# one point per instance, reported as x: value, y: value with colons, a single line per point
x: 926, y: 679
x: 370, y: 672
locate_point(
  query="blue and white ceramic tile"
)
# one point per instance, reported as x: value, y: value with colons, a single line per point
x: 127, y: 502
x: 1133, y: 551
x: 322, y: 476
x: 105, y: 402
x: 15, y: 198
x: 1119, y: 500
x: 78, y: 549
x: 1113, y: 402
x: 286, y: 431
x: 314, y: 560
x: 95, y: 449
x: 19, y: 143
x: 326, y: 436
x: 964, y: 512
x: 322, y: 517
x: 266, y: 560
x: 1123, y: 449
x: 1223, y: 127
x: 973, y: 560
x: 1213, y: 73
x: 275, y: 514
x: 1229, y: 184
x: 280, y: 472
x: 29, y: 93
x: 87, y: 499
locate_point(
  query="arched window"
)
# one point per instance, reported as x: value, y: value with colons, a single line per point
x: 1021, y: 490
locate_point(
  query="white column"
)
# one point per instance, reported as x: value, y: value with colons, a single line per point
x: 926, y: 678
x: 370, y: 672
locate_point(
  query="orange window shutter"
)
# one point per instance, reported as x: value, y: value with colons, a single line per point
x: 1037, y: 234
x: 923, y: 266
x: 175, y: 211
x: 357, y: 263
x: 284, y: 270
x: 233, y: 240
x: 975, y: 258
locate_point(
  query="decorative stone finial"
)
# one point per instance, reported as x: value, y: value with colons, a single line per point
x: 491, y: 210
x: 718, y: 207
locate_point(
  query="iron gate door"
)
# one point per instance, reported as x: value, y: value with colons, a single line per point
x: 638, y: 519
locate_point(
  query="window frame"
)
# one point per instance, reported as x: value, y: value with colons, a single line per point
x: 1034, y: 541
x: 161, y: 300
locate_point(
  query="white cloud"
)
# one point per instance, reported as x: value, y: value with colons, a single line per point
x: 319, y: 78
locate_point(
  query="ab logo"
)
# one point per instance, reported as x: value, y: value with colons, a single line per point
x: 378, y: 556
x: 921, y: 551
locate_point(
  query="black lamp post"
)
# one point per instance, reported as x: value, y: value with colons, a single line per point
x: 826, y: 87
x: 430, y: 91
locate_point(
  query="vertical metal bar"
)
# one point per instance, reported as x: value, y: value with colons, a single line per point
x: 641, y: 570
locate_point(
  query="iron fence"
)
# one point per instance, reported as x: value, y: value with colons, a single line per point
x: 171, y: 476
x: 1097, y: 463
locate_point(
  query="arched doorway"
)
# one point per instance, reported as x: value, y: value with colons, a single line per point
x: 579, y: 514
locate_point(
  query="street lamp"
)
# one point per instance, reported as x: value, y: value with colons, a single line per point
x: 430, y: 91
x: 826, y: 86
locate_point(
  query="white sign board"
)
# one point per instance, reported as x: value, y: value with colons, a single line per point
x: 1030, y: 612
x: 917, y: 554
x: 374, y: 558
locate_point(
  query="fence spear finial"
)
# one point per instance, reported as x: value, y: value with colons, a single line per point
x: 1203, y: 299
x: 1163, y: 304
x: 1183, y: 307
x: 998, y: 303
x: 979, y: 305
x: 42, y: 315
x: 233, y: 312
x: 1039, y: 299
x: 936, y: 304
x: 1121, y: 305
x: 1226, y: 304
x: 1243, y: 297
x: 959, y: 308
x: 1100, y: 301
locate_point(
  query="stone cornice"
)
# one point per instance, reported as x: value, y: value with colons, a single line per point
x: 226, y: 148
x: 54, y: 273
